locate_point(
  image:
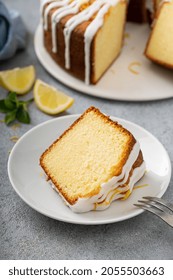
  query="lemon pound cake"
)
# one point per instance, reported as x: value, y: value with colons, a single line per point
x: 84, y: 36
x: 93, y: 162
x: 160, y: 45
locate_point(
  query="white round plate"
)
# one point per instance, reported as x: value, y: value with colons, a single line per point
x: 152, y: 83
x: 26, y: 176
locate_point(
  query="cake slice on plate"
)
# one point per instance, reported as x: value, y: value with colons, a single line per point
x: 94, y: 162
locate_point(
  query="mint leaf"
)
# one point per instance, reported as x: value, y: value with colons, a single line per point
x: 15, y: 108
x: 10, y: 117
x: 13, y: 97
x: 9, y: 104
x: 3, y: 108
x: 11, y: 101
x: 22, y: 115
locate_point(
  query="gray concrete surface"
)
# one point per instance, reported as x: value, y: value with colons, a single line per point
x: 26, y: 234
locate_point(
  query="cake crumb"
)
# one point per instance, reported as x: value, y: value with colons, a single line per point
x: 15, y: 126
x: 112, y: 71
x: 41, y: 174
x: 126, y: 35
x: 132, y: 65
x: 14, y: 138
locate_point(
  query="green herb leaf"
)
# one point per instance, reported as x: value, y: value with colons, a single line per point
x: 15, y: 108
x: 10, y: 117
x: 13, y: 97
x: 22, y: 115
x: 3, y: 108
x: 11, y: 101
x: 9, y: 104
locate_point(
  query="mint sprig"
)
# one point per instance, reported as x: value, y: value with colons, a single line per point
x: 15, y: 109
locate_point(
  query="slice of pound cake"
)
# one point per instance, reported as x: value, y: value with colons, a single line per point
x: 93, y: 162
x: 160, y: 45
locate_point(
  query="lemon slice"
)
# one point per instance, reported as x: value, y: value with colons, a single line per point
x: 50, y: 100
x: 19, y: 80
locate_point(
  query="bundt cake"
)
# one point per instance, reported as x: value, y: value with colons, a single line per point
x: 85, y: 36
x: 94, y: 162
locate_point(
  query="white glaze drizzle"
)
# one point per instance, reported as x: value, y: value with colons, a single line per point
x: 72, y: 8
x: 108, y: 189
x: 73, y: 23
x: 120, y: 193
x: 43, y: 3
x: 67, y: 8
x: 54, y: 4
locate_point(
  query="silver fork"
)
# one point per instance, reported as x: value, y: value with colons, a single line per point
x: 159, y: 207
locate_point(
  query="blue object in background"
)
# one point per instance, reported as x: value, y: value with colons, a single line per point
x: 12, y: 33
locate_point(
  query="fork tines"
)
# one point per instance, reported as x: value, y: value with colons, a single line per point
x: 160, y: 201
x: 159, y: 207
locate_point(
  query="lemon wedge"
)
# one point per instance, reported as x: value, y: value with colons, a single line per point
x: 19, y: 80
x: 50, y: 100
